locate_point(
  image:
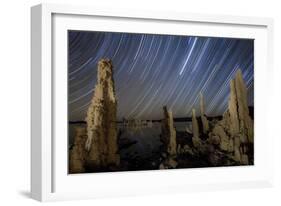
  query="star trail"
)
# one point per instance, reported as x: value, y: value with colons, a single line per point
x: 151, y: 71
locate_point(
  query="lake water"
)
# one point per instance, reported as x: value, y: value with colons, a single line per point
x: 147, y: 138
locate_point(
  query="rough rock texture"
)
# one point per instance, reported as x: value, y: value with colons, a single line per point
x: 186, y: 149
x: 204, y: 119
x: 78, y: 153
x: 224, y: 138
x: 168, y: 133
x: 195, y: 130
x: 235, y: 130
x: 233, y: 120
x: 101, y: 120
x: 245, y: 121
x: 169, y: 141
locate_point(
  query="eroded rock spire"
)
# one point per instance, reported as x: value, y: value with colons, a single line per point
x: 168, y: 136
x: 204, y: 119
x: 101, y: 120
x: 195, y: 130
x: 235, y: 130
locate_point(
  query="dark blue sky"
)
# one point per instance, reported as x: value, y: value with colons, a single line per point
x: 151, y: 71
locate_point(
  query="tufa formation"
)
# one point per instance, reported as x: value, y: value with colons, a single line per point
x: 204, y: 119
x: 195, y: 130
x: 234, y: 133
x: 101, y: 143
x: 228, y: 141
x: 169, y: 141
x: 78, y: 154
x: 168, y: 134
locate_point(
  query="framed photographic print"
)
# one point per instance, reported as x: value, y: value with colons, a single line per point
x: 138, y: 102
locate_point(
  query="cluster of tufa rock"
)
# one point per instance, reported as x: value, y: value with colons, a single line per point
x: 97, y: 148
x: 234, y: 133
x: 228, y: 141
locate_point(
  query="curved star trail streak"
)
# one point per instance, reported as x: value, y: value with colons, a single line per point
x: 151, y: 71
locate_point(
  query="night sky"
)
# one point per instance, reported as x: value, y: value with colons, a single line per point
x: 151, y: 71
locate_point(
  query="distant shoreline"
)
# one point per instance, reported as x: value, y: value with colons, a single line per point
x: 177, y: 119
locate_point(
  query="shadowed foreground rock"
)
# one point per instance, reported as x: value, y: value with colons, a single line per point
x: 78, y: 153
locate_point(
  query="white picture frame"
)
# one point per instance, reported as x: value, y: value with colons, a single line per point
x: 49, y: 178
